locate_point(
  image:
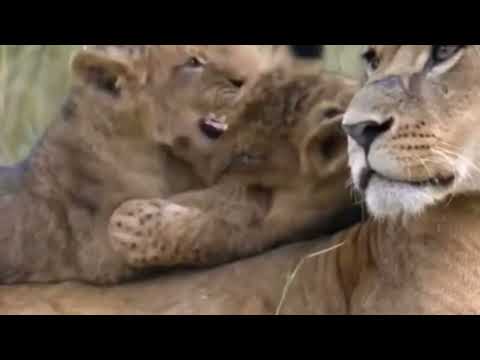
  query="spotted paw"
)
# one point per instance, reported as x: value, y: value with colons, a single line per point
x: 141, y: 229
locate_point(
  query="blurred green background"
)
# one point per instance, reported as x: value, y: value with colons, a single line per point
x: 35, y: 78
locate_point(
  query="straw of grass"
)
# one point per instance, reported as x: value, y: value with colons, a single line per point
x: 291, y: 278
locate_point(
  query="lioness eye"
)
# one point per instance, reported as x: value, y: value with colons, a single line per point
x: 441, y: 53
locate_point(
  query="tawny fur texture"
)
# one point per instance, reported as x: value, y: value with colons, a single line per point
x: 113, y: 142
x: 414, y: 155
x: 282, y: 165
x: 420, y: 255
x: 248, y: 287
x: 415, y: 257
x: 286, y: 148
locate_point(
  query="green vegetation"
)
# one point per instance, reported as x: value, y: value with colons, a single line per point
x: 343, y: 58
x: 33, y: 80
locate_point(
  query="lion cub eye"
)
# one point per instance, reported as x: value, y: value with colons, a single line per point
x: 195, y: 63
x: 442, y: 53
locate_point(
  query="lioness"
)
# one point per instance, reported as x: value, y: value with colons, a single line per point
x: 130, y: 106
x: 414, y: 155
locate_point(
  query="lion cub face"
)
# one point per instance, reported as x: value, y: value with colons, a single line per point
x: 412, y: 127
x: 165, y: 93
x: 288, y: 131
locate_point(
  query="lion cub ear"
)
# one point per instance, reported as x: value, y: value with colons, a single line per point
x: 104, y: 70
x: 324, y: 149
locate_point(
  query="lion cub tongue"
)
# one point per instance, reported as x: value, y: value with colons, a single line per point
x: 213, y: 127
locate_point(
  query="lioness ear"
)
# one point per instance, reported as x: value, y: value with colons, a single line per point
x: 105, y: 71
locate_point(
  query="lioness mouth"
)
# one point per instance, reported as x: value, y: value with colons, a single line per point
x: 439, y: 181
x: 213, y: 127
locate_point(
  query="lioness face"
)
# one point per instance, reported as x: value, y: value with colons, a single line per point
x: 412, y: 128
x: 165, y: 93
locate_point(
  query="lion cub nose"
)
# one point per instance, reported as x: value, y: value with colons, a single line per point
x: 366, y: 132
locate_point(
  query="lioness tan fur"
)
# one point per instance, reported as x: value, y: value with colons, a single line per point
x: 414, y: 156
x: 113, y: 141
x: 248, y: 287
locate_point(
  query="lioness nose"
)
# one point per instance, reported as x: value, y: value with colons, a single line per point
x: 366, y: 132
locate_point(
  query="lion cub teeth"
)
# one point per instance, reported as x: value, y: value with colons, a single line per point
x: 214, y: 127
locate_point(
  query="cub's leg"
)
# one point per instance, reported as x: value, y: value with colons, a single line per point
x: 201, y: 228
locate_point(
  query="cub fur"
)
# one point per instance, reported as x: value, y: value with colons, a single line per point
x: 113, y: 141
x: 282, y: 169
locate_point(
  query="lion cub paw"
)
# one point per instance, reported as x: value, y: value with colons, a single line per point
x: 139, y: 231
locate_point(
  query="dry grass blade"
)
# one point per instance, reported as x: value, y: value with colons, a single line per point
x: 294, y: 274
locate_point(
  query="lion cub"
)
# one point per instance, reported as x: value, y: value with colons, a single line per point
x: 130, y: 107
x: 282, y: 175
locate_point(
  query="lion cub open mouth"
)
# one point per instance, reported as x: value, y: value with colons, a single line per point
x: 440, y: 181
x: 213, y: 126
